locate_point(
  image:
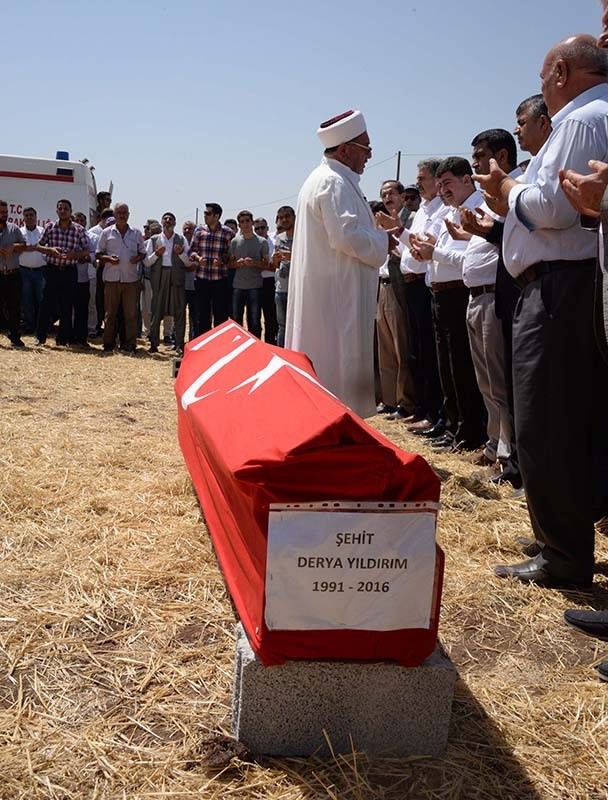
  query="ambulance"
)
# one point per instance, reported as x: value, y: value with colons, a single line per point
x: 41, y: 182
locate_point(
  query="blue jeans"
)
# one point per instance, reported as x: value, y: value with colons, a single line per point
x: 251, y: 299
x: 280, y: 300
x: 32, y: 286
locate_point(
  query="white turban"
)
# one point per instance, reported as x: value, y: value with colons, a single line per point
x: 341, y: 129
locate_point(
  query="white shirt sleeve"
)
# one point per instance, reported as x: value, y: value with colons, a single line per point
x: 544, y: 205
x: 151, y: 256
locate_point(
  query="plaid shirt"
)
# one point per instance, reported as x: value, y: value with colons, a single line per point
x: 71, y: 239
x: 212, y: 245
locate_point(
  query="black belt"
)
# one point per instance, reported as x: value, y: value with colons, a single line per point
x: 535, y: 271
x: 445, y: 285
x: 385, y: 281
x: 412, y: 277
x: 489, y: 288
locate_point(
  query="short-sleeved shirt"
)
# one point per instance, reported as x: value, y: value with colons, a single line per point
x: 33, y: 259
x: 113, y: 243
x: 212, y: 245
x: 10, y: 235
x: 66, y: 240
x: 256, y: 248
x: 281, y: 275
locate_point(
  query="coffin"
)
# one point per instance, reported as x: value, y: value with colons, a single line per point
x: 261, y: 437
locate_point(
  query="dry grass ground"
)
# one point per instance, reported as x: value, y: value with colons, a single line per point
x: 116, y: 634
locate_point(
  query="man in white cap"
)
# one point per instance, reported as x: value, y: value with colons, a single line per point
x: 337, y: 251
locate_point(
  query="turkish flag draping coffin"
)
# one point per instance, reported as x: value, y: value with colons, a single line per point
x: 258, y: 430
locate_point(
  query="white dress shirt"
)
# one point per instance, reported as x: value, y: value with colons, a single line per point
x: 448, y: 255
x: 167, y: 256
x: 541, y: 224
x: 481, y: 257
x: 427, y: 220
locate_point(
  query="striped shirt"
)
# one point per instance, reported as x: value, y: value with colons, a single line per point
x: 212, y: 246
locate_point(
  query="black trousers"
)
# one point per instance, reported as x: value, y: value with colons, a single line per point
x: 558, y: 375
x: 213, y: 301
x: 99, y: 299
x: 507, y: 297
x: 269, y: 311
x: 59, y: 293
x: 422, y: 353
x: 192, y: 307
x: 81, y: 312
x: 10, y: 299
x: 461, y: 396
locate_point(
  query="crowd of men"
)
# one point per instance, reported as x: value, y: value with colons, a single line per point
x: 483, y: 299
x: 118, y: 283
x: 487, y: 304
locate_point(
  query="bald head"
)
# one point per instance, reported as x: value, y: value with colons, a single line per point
x: 571, y: 67
x: 582, y: 53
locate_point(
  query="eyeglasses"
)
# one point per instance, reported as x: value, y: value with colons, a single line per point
x: 362, y: 146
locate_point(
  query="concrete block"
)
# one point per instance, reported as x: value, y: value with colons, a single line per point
x: 385, y: 708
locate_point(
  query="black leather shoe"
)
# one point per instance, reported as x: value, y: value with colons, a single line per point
x: 445, y: 443
x: 432, y: 433
x: 508, y: 476
x: 447, y: 440
x: 602, y: 670
x: 382, y: 408
x: 534, y: 571
x: 398, y: 413
x: 593, y: 623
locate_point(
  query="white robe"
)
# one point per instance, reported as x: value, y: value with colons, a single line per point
x: 333, y: 283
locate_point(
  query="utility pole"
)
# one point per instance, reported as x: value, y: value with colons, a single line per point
x: 398, y: 164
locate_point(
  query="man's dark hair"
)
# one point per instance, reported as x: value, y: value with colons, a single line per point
x: 456, y: 165
x: 377, y: 205
x: 398, y: 185
x: 67, y: 202
x: 169, y: 214
x: 260, y: 221
x: 498, y: 139
x: 429, y: 163
x: 244, y: 213
x: 101, y: 195
x: 3, y: 203
x: 230, y: 221
x: 534, y: 105
x: 107, y: 212
x: 284, y: 210
x: 215, y: 208
x: 29, y: 208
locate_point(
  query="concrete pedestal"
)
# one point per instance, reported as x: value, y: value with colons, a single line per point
x: 385, y: 708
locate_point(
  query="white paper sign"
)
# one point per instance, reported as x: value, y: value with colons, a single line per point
x: 365, y: 566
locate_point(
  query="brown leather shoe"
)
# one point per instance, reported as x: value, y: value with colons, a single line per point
x: 421, y: 425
